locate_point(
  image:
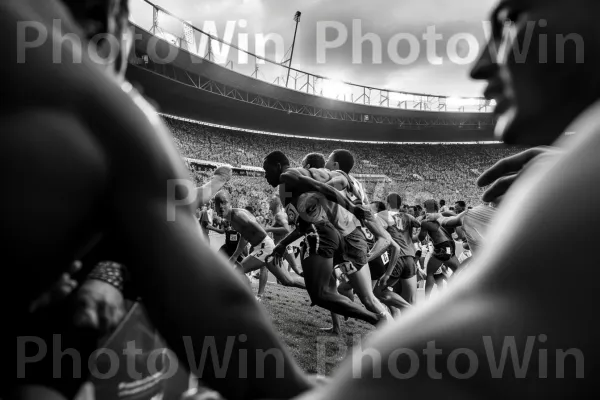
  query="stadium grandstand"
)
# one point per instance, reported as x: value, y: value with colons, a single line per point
x: 420, y: 145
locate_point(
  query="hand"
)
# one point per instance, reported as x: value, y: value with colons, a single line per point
x: 383, y: 281
x: 504, y: 173
x: 60, y: 290
x: 225, y: 172
x: 99, y: 306
x: 279, y: 250
x: 362, y: 212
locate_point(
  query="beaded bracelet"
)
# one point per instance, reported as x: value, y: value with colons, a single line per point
x: 109, y: 272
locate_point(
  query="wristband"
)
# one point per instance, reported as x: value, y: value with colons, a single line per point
x: 108, y: 272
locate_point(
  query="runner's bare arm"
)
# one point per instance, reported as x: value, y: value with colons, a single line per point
x: 208, y: 191
x: 281, y: 230
x: 452, y: 222
x: 214, y: 229
x: 306, y: 184
x: 394, y: 250
x: 291, y: 238
x: 424, y: 230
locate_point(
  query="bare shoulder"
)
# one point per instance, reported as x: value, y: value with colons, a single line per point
x: 323, y: 174
x: 43, y: 144
x: 55, y: 176
x: 296, y: 172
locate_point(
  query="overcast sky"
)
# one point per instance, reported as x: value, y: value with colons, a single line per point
x: 385, y: 18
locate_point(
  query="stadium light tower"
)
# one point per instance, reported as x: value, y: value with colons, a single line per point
x: 297, y: 19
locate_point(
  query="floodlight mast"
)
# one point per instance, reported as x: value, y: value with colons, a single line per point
x: 297, y: 19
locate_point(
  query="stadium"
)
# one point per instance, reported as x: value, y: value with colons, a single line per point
x: 198, y: 98
x: 314, y: 225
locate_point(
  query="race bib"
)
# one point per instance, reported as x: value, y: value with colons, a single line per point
x: 292, y: 214
x: 448, y: 250
x: 233, y: 238
x: 385, y: 258
x: 399, y: 222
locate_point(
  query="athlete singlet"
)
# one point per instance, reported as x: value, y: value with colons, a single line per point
x: 475, y: 225
x: 355, y: 192
x: 400, y: 227
x: 232, y: 238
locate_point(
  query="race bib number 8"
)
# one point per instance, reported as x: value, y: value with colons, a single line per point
x: 367, y: 233
x: 448, y: 250
x: 385, y: 258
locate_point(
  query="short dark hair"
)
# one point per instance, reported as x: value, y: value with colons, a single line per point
x: 274, y: 202
x: 277, y: 157
x: 345, y: 159
x: 442, y: 202
x: 394, y: 200
x: 380, y: 206
x: 222, y: 196
x: 315, y: 160
x: 461, y: 203
x: 432, y: 204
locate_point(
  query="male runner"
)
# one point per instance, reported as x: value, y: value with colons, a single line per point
x: 311, y: 207
x: 281, y: 229
x: 378, y: 267
x: 112, y: 163
x: 444, y: 249
x: 507, y: 293
x: 340, y: 163
x: 400, y: 226
x: 474, y: 223
x: 252, y: 232
x: 344, y: 160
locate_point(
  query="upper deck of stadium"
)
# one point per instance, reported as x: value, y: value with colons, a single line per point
x: 183, y: 80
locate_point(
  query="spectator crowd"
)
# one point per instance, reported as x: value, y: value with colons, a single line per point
x: 418, y: 171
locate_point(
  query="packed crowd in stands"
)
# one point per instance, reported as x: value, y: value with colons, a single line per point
x: 419, y: 171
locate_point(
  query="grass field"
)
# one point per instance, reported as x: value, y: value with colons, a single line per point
x: 299, y: 325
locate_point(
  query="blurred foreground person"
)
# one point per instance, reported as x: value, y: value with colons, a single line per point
x: 112, y: 174
x: 459, y: 345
